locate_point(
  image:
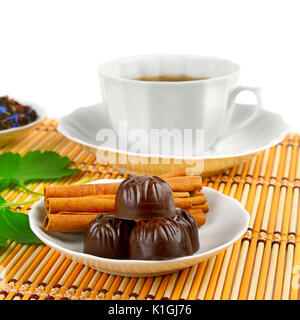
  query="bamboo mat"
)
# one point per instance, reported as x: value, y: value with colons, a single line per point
x: 263, y: 264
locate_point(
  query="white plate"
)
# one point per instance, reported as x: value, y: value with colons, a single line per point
x: 226, y: 222
x: 8, y: 135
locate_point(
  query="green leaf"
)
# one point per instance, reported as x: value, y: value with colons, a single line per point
x: 35, y: 165
x: 4, y: 183
x: 9, y: 167
x: 14, y: 169
x: 14, y: 226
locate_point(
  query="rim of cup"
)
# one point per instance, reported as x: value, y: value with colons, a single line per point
x: 103, y: 68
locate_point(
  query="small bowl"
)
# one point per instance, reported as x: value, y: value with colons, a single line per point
x: 8, y: 135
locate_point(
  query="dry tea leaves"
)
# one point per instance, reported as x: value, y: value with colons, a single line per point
x: 13, y: 114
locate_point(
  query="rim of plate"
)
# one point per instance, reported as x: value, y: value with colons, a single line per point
x: 274, y: 141
x: 39, y: 234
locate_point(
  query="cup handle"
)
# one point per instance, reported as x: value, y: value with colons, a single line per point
x: 232, y: 106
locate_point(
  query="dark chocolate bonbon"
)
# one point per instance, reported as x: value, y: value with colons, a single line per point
x: 159, y: 239
x: 108, y: 237
x: 188, y: 222
x: 144, y: 197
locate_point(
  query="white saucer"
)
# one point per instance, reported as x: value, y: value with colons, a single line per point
x: 8, y: 135
x: 267, y: 130
x: 226, y: 222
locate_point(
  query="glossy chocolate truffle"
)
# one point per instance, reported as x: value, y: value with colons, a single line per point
x: 108, y: 237
x: 188, y: 222
x: 159, y: 238
x: 144, y: 197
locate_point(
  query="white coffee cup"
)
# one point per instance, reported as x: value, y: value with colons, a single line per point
x: 198, y: 104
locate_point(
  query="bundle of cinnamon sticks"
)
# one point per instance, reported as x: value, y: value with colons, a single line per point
x: 70, y: 208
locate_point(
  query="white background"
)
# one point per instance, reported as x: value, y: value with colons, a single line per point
x: 50, y: 50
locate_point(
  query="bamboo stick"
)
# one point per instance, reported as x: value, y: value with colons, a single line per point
x: 28, y: 251
x: 282, y: 249
x: 98, y: 285
x: 81, y: 285
x: 41, y: 271
x: 255, y: 223
x: 188, y: 283
x: 13, y: 261
x: 154, y: 288
x: 54, y: 278
x: 170, y: 286
x: 118, y: 293
x: 197, y: 280
x: 77, y: 284
x: 296, y: 261
x: 286, y: 286
x: 206, y: 278
x: 137, y: 289
x: 180, y: 284
x: 88, y: 289
x: 288, y: 273
x: 241, y: 195
x: 278, y: 225
x: 29, y: 267
x: 54, y: 290
x: 113, y: 288
x: 294, y: 291
x: 129, y: 288
x: 230, y: 190
x: 145, y: 289
x: 162, y: 287
x: 247, y: 199
x: 7, y: 251
x: 51, y: 272
x: 68, y: 280
x: 277, y: 171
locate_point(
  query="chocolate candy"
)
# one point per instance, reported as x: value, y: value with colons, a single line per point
x: 188, y: 222
x: 108, y: 237
x: 159, y: 238
x: 144, y: 197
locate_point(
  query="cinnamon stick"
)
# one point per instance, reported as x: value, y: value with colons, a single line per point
x: 80, y: 204
x: 100, y: 204
x: 199, y: 199
x: 177, y: 173
x: 204, y: 207
x: 69, y: 191
x: 183, y: 184
x: 187, y: 171
x: 67, y: 222
x: 200, y: 218
x: 79, y: 222
x: 181, y: 194
x: 183, y: 203
x: 196, y: 193
x: 177, y: 184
